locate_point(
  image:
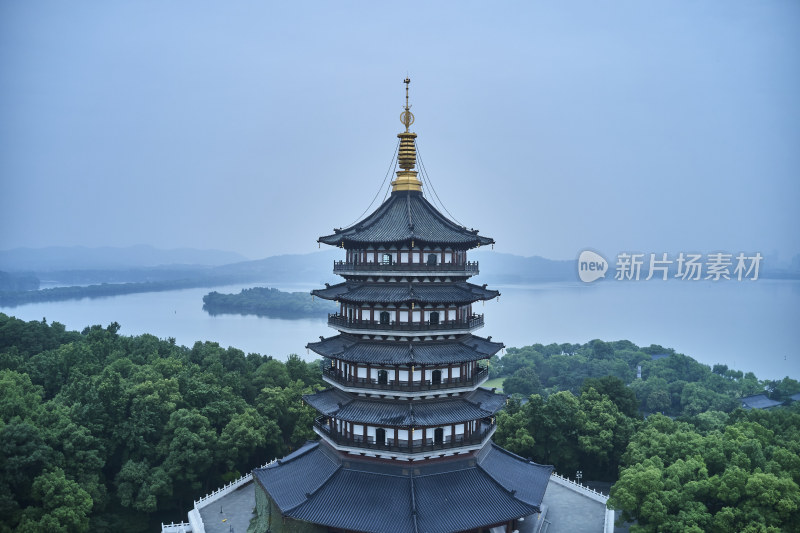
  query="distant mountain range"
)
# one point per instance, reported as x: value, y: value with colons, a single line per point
x: 146, y: 264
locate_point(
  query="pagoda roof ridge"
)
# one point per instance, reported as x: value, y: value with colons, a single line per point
x: 347, y: 347
x: 474, y: 405
x: 514, y: 473
x: 393, y: 292
x: 404, y: 217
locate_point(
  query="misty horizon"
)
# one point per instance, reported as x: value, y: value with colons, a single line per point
x: 657, y: 128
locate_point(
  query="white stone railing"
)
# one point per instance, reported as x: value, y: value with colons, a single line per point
x: 583, y: 489
x: 195, y: 524
x: 230, y: 487
x: 181, y: 527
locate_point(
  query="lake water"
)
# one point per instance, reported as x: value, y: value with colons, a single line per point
x: 751, y: 326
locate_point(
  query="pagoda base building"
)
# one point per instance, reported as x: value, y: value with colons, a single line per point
x: 405, y: 427
x: 319, y: 489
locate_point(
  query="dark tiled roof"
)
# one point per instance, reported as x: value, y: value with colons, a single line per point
x: 528, y: 479
x: 404, y: 217
x: 402, y: 413
x: 759, y: 401
x: 459, y: 292
x: 310, y: 463
x: 471, y: 499
x: 450, y: 495
x: 361, y: 501
x: 352, y: 349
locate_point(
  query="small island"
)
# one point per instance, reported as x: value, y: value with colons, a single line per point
x: 263, y: 301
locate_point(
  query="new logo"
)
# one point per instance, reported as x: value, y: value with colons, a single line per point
x: 591, y: 266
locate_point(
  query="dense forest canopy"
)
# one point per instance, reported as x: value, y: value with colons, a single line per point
x: 112, y: 433
x: 707, y: 466
x: 105, y: 432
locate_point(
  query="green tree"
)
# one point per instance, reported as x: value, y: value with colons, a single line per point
x: 523, y: 382
x: 616, y: 390
x: 62, y: 505
x: 140, y: 486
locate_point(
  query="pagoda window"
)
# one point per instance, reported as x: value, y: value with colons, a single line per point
x: 436, y: 377
x: 383, y: 377
x: 432, y: 259
x: 386, y: 259
x: 435, y: 318
x: 380, y: 437
x: 438, y: 436
x: 385, y: 317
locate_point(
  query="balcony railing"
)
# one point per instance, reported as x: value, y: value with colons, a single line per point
x: 340, y: 321
x: 405, y: 386
x: 405, y: 446
x: 468, y: 268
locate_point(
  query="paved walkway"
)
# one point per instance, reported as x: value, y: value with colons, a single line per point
x: 569, y: 511
x: 232, y: 512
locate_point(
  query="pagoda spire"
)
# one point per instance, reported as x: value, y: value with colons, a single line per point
x: 407, y: 156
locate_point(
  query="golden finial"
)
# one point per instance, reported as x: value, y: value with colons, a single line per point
x: 407, y: 157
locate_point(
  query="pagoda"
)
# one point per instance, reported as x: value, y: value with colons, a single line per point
x: 405, y: 427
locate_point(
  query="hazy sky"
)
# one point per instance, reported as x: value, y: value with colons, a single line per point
x: 258, y: 126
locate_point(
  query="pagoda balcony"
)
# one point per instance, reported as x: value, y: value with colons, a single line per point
x: 344, y: 323
x: 403, y: 387
x: 390, y: 447
x: 469, y: 268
